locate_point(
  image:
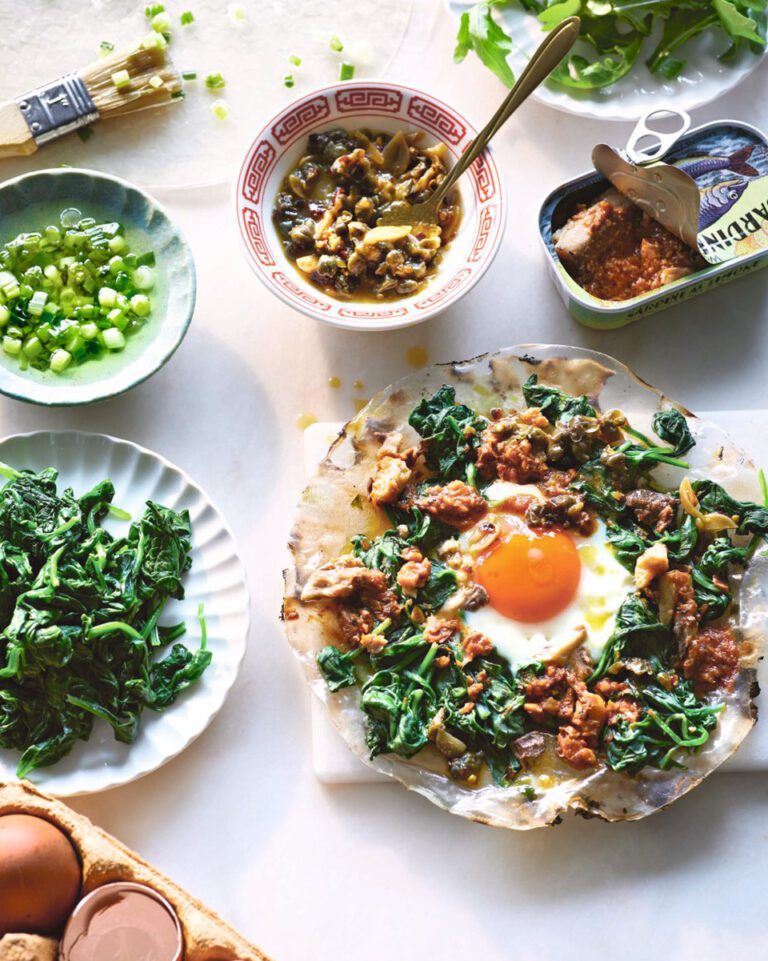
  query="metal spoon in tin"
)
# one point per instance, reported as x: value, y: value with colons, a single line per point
x: 547, y: 56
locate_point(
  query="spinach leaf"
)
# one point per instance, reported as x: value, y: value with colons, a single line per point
x: 671, y: 426
x: 79, y: 616
x: 752, y: 518
x: 452, y: 432
x: 637, y: 632
x: 554, y: 404
x: 337, y: 667
x: 671, y: 722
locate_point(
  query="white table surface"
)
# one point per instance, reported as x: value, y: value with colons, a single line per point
x: 370, y: 872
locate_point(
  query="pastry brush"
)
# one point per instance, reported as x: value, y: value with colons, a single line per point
x: 116, y: 85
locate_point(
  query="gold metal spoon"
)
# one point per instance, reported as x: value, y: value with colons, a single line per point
x: 547, y: 56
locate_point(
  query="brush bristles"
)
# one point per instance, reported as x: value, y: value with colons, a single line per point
x: 142, y: 65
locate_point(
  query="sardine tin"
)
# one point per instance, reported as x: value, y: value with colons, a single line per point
x: 726, y: 190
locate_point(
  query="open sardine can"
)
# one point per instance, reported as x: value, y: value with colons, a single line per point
x: 708, y: 186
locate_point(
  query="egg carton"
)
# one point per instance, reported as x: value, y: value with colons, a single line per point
x: 105, y: 859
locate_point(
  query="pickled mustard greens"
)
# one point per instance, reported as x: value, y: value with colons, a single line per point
x: 615, y: 31
x: 329, y: 205
x: 652, y: 696
x: 79, y: 613
x: 71, y: 293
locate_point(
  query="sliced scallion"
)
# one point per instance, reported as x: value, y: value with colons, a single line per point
x: 346, y: 71
x: 121, y: 79
x: 215, y: 81
x: 186, y: 18
x: 220, y: 109
x: 336, y: 45
x: 288, y: 80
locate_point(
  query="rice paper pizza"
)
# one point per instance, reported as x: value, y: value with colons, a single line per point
x: 530, y: 583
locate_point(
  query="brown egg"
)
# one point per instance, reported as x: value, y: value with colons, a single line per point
x: 39, y: 875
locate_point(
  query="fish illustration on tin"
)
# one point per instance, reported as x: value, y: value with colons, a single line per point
x: 718, y: 199
x: 737, y: 162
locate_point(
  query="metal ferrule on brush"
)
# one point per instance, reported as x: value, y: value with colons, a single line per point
x: 57, y: 108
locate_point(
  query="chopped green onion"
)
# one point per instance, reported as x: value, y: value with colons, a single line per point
x: 85, y: 133
x: 336, y: 45
x: 153, y: 9
x: 68, y: 294
x: 186, y: 18
x: 106, y: 47
x: 60, y: 360
x: 346, y: 71
x: 189, y: 75
x: 160, y: 23
x: 144, y: 278
x: 237, y: 13
x: 178, y: 95
x: 113, y: 339
x: 288, y: 80
x: 215, y: 81
x: 121, y: 78
x: 155, y: 81
x: 154, y: 40
x: 296, y: 61
x: 220, y: 109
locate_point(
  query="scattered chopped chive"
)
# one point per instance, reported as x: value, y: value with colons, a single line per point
x: 187, y: 17
x: 296, y: 61
x: 153, y: 9
x: 346, y: 71
x: 220, y: 109
x: 336, y: 44
x: 189, y: 75
x: 178, y: 95
x: 288, y: 80
x: 85, y: 133
x: 106, y: 47
x: 215, y: 81
x: 121, y: 78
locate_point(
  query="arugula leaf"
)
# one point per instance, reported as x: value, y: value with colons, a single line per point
x: 736, y: 23
x: 606, y: 67
x: 479, y: 32
x: 554, y: 403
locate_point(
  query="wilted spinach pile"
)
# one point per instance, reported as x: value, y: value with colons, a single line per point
x: 412, y: 689
x: 79, y: 612
x: 615, y: 32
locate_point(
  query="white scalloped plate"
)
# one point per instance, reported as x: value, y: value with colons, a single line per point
x: 216, y: 579
x: 703, y: 80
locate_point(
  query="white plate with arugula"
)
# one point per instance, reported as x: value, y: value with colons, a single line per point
x: 663, y: 52
x: 86, y: 617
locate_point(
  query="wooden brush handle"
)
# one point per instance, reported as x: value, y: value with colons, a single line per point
x: 16, y: 139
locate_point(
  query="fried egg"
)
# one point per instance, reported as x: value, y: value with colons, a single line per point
x: 547, y: 587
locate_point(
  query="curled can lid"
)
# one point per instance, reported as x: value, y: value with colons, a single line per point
x: 122, y: 921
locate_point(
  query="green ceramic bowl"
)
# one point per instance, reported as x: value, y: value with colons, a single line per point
x: 30, y: 202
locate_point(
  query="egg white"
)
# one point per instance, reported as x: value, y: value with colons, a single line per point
x: 603, y: 585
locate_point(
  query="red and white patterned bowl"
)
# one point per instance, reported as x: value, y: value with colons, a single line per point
x: 383, y: 106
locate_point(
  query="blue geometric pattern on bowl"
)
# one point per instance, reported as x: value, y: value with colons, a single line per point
x: 28, y: 203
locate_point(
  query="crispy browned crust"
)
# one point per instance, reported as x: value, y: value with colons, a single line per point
x: 331, y: 511
x: 105, y: 859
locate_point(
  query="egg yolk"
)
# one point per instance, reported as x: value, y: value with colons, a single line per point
x: 530, y: 576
